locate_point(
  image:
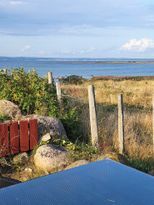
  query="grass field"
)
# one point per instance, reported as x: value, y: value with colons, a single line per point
x: 137, y: 94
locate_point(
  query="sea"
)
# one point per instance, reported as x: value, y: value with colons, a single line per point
x: 86, y: 67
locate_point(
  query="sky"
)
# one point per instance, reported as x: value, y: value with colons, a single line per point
x: 77, y: 28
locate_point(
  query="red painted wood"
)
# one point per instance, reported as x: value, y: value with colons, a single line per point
x: 24, y: 136
x: 14, y: 138
x: 4, y: 140
x: 33, y: 133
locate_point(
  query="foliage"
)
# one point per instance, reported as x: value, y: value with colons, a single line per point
x: 69, y: 116
x: 34, y: 95
x: 29, y: 91
x: 145, y: 165
x: 4, y: 118
x: 77, y: 151
x: 72, y: 79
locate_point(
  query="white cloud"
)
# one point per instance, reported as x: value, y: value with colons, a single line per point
x: 138, y: 45
x: 42, y: 53
x: 25, y: 48
x: 79, y: 51
x: 13, y: 2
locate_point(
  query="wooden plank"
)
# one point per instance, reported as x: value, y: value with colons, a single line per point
x: 4, y: 140
x: 24, y: 136
x: 93, y: 116
x: 33, y: 133
x: 14, y: 138
x: 120, y: 123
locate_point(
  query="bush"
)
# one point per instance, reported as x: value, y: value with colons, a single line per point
x: 69, y: 116
x: 34, y: 95
x: 4, y: 118
x: 29, y: 91
x: 72, y: 79
x: 77, y: 151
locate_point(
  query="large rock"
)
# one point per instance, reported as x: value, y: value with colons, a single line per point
x: 8, y: 108
x: 48, y: 158
x: 50, y: 125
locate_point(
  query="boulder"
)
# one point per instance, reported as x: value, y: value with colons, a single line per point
x: 49, y: 158
x: 9, y: 109
x: 20, y: 159
x: 51, y: 126
x: 77, y: 164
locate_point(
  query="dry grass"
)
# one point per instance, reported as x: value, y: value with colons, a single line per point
x: 138, y: 112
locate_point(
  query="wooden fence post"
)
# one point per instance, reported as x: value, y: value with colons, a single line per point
x: 5, y: 71
x: 120, y: 123
x: 58, y: 90
x: 93, y: 116
x: 153, y: 121
x: 50, y: 78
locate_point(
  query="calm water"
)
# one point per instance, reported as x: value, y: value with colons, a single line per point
x: 82, y: 67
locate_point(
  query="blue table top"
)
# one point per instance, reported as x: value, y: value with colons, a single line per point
x: 100, y: 183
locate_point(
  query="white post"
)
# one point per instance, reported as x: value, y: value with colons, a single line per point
x: 58, y: 90
x: 93, y: 116
x: 50, y: 79
x: 120, y: 123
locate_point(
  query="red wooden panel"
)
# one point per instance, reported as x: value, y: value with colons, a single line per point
x: 14, y: 138
x: 33, y: 133
x: 4, y: 140
x: 24, y: 136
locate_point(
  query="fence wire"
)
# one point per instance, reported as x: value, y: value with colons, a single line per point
x: 138, y: 132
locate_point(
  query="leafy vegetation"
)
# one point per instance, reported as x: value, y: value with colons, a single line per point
x: 145, y: 165
x: 78, y: 150
x: 72, y: 79
x: 4, y: 118
x: 34, y: 95
x: 29, y: 91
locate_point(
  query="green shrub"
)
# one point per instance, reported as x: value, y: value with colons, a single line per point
x: 72, y: 79
x: 77, y: 151
x: 29, y: 91
x: 34, y: 95
x: 4, y: 118
x: 70, y: 114
x: 145, y: 165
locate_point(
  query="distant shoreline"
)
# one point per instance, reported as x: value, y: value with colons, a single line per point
x: 122, y: 78
x: 86, y: 67
x: 87, y: 60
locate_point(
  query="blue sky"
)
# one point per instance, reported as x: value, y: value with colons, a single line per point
x: 77, y: 28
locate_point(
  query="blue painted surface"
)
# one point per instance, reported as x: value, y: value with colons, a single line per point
x: 99, y: 183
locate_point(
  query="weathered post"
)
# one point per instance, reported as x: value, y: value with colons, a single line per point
x: 58, y: 90
x: 153, y: 122
x: 50, y: 78
x: 93, y: 116
x: 120, y: 123
x: 5, y: 71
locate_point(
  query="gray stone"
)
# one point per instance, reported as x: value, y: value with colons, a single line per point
x: 48, y: 158
x: 9, y: 109
x: 50, y: 125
